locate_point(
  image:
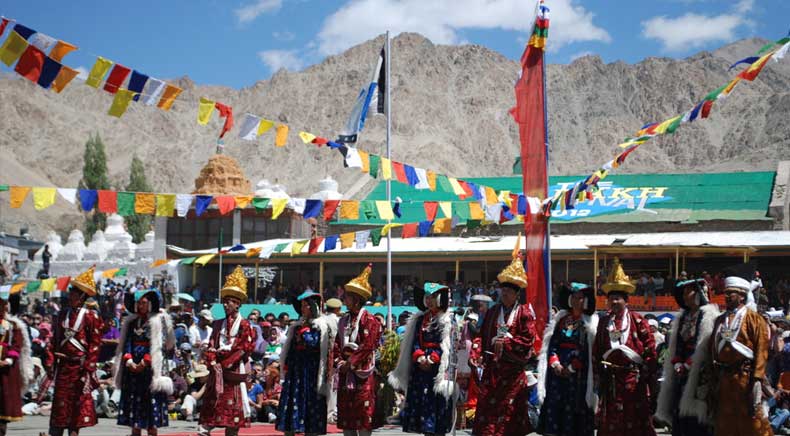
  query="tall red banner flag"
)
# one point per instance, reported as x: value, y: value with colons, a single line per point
x: 530, y: 115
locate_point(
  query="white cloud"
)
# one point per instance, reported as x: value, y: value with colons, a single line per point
x: 247, y: 13
x: 691, y: 30
x: 276, y: 59
x: 441, y: 20
x: 82, y: 73
x: 284, y: 36
x: 581, y: 54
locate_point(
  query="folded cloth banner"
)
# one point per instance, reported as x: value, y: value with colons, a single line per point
x: 312, y: 209
x: 121, y: 102
x: 168, y: 97
x: 225, y: 203
x: 31, y: 63
x: 249, y: 127
x: 242, y: 201
x: 144, y: 203
x: 12, y: 48
x: 206, y: 258
x: 349, y: 210
x: 361, y: 239
x: 314, y: 244
x: 118, y: 74
x: 330, y: 243
x: 88, y: 199
x: 64, y: 77
x: 297, y: 247
x: 98, y: 72
x: 108, y: 201
x: 43, y: 198
x: 281, y: 137
x: 18, y: 195
x: 183, y: 202
x: 330, y: 206
x: 278, y: 206
x: 385, y: 210
x: 153, y: 90
x: 409, y: 231
x: 202, y: 202
x: 347, y: 239
x: 68, y: 194
x: 61, y: 49
x: 165, y: 204
x: 205, y: 109
x: 260, y: 203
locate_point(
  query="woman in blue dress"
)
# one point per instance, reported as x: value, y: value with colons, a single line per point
x: 140, y: 375
x: 426, y: 365
x: 303, y: 365
x: 565, y: 384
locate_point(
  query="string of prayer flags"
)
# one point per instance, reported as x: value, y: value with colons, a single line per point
x: 225, y: 203
x: 116, y: 78
x: 98, y: 71
x: 165, y: 204
x: 108, y: 201
x: 43, y: 198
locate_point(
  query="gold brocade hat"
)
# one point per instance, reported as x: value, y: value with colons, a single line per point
x: 84, y: 282
x: 514, y: 273
x: 618, y: 281
x: 235, y: 285
x: 360, y: 284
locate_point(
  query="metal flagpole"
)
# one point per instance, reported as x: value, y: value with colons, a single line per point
x: 548, y: 219
x: 389, y: 186
x: 219, y: 249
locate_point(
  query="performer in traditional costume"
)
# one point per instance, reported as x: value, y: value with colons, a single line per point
x: 625, y: 363
x: 139, y: 374
x: 75, y: 345
x: 426, y: 365
x: 565, y: 374
x: 509, y: 357
x: 228, y: 356
x: 304, y: 366
x: 355, y: 359
x: 333, y: 307
x: 16, y: 364
x: 688, y: 369
x: 740, y: 351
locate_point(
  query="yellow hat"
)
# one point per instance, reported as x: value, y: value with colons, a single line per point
x: 618, y: 281
x: 235, y: 285
x: 514, y: 273
x: 360, y: 284
x: 84, y: 282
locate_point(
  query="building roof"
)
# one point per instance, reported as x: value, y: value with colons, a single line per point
x: 683, y: 198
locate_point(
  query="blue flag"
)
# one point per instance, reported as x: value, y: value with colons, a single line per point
x: 365, y: 98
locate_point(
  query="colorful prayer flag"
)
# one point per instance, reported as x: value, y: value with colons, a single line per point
x: 278, y: 206
x: 144, y: 203
x: 205, y: 109
x: 108, y: 201
x: 297, y: 247
x: 64, y: 77
x: 281, y: 138
x: 165, y: 204
x: 18, y: 195
x: 31, y: 63
x: 116, y: 78
x: 121, y: 102
x: 225, y: 203
x: 204, y: 259
x: 349, y: 210
x: 43, y: 197
x: 168, y: 97
x: 384, y: 209
x: 61, y: 49
x: 330, y: 206
x: 12, y: 48
x: 98, y: 72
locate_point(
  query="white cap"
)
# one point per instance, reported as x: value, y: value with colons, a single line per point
x: 652, y: 322
x: 665, y: 320
x: 205, y: 313
x: 736, y: 282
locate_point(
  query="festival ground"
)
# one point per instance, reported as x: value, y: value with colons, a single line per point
x: 31, y: 425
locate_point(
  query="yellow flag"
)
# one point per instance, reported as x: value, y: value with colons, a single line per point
x: 662, y: 128
x: 347, y: 239
x: 282, y: 136
x: 98, y: 72
x: 121, y: 102
x: 265, y: 126
x: 205, y: 109
x: 387, y: 227
x: 168, y: 97
x: 242, y: 201
x: 457, y: 188
x: 431, y: 179
x: 386, y: 168
x: 307, y: 138
x: 206, y: 258
x: 297, y: 246
x: 144, y: 203
x: 43, y: 197
x: 504, y: 197
x: 447, y: 208
x: 491, y: 197
x: 158, y: 263
x: 12, y: 48
x: 108, y: 274
x: 442, y: 225
x: 62, y: 48
x: 475, y: 211
x: 47, y: 285
x: 165, y: 204
x: 254, y: 252
x: 278, y: 206
x: 365, y: 157
x: 385, y: 210
x: 349, y: 210
x: 18, y: 193
x: 17, y: 288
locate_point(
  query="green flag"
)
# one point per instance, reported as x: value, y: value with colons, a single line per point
x: 260, y: 203
x: 375, y: 162
x: 120, y: 273
x: 126, y: 203
x: 375, y: 236
x: 188, y: 260
x: 280, y: 247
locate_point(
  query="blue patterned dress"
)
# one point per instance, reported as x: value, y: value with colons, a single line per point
x: 302, y: 409
x: 139, y: 407
x: 426, y: 411
x: 565, y: 411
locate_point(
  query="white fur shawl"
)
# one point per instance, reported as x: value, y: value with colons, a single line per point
x: 590, y: 328
x: 162, y: 338
x: 691, y: 404
x: 444, y: 382
x: 328, y: 328
x: 25, y: 361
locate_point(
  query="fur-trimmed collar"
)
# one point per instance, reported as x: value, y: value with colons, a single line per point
x: 25, y: 361
x: 162, y: 338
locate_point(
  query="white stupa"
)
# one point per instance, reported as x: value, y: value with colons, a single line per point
x: 122, y: 246
x: 55, y: 245
x: 145, y: 249
x: 98, y: 248
x: 74, y: 250
x: 327, y: 190
x: 266, y: 189
x: 115, y: 230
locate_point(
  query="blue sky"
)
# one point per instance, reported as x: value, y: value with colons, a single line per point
x: 238, y: 42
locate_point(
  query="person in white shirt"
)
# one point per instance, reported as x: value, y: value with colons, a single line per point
x: 199, y: 334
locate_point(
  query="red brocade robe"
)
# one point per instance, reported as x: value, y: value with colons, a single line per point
x: 626, y: 389
x: 223, y: 405
x: 11, y: 343
x: 356, y: 390
x: 75, y: 374
x: 504, y: 393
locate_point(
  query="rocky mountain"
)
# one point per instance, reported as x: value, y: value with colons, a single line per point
x: 450, y: 114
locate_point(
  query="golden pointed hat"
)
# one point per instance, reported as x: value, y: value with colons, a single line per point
x: 235, y: 285
x: 360, y: 285
x: 84, y: 282
x: 514, y: 273
x: 618, y: 281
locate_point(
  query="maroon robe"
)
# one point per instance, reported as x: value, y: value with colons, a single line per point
x: 72, y: 405
x: 356, y: 390
x: 10, y: 376
x: 504, y: 393
x: 627, y: 390
x: 226, y: 409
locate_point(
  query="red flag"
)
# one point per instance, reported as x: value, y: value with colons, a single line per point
x: 227, y: 113
x: 116, y: 78
x: 314, y: 243
x: 226, y: 204
x: 530, y: 115
x: 467, y: 190
x: 30, y: 63
x: 330, y: 206
x: 431, y: 207
x: 409, y: 231
x: 63, y: 283
x: 706, y: 108
x: 2, y: 25
x: 400, y: 172
x: 108, y: 201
